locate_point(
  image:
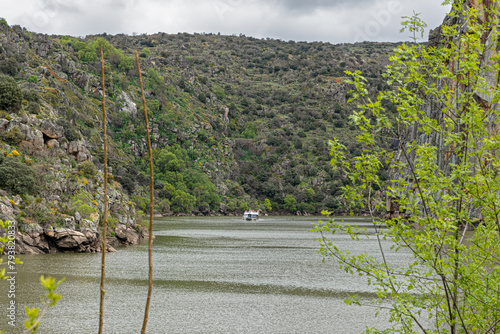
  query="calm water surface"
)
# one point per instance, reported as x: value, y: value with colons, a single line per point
x: 211, y: 275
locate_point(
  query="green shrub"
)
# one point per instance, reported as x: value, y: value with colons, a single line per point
x: 82, y: 203
x: 142, y: 203
x: 249, y: 130
x: 338, y: 123
x: 88, y: 169
x: 14, y: 136
x: 30, y: 95
x: 85, y: 210
x: 33, y: 107
x: 9, y: 66
x: 127, y: 183
x: 10, y: 94
x: 202, y: 97
x: 70, y: 131
x: 145, y: 53
x: 231, y: 205
x: 219, y: 91
x: 39, y: 213
x: 112, y: 222
x: 267, y: 205
x: 33, y: 78
x: 17, y: 177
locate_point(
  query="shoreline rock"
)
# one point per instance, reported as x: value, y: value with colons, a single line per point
x: 64, y: 240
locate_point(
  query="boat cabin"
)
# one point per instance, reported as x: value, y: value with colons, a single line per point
x: 251, y: 215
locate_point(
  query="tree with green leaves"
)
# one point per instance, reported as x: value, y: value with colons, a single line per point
x: 267, y: 205
x: 290, y: 203
x: 182, y: 201
x: 442, y: 150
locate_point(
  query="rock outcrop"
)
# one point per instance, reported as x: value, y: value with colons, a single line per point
x: 72, y: 234
x: 79, y: 150
x: 36, y: 240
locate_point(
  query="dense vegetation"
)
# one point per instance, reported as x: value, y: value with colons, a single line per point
x: 237, y: 122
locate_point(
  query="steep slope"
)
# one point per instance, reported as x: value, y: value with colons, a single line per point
x: 237, y: 122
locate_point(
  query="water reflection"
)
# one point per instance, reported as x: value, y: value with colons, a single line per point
x: 212, y: 275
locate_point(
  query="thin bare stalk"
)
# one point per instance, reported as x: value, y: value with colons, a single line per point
x: 105, y: 209
x: 152, y: 198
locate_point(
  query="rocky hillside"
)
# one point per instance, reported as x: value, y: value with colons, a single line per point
x: 237, y: 122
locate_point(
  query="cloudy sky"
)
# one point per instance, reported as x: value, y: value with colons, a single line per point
x: 335, y: 21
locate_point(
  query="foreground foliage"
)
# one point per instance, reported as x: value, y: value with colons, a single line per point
x: 445, y: 180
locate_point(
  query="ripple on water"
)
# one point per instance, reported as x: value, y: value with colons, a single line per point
x: 212, y: 275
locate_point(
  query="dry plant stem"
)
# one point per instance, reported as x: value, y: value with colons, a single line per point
x: 105, y: 210
x: 152, y: 197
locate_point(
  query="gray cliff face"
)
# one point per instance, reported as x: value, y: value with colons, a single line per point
x: 435, y: 108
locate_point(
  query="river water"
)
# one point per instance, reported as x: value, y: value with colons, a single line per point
x: 211, y: 275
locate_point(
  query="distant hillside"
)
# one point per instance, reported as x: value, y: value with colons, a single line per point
x: 237, y: 122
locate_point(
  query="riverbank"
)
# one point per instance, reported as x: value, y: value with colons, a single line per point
x: 84, y: 239
x: 74, y: 234
x: 69, y: 234
x: 231, y: 214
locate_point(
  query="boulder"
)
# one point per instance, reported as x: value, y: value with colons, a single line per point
x: 132, y: 236
x: 33, y: 229
x: 17, y: 200
x: 110, y: 249
x: 22, y: 247
x: 51, y: 130
x: 121, y: 232
x: 87, y: 224
x: 79, y: 150
x: 223, y: 208
x: 82, y: 79
x: 112, y: 241
x: 33, y: 139
x: 26, y: 249
x: 66, y: 239
x: 42, y: 244
x: 55, y: 198
x: 52, y: 143
x: 125, y: 103
x: 67, y: 243
x: 27, y: 239
x: 3, y: 124
x: 70, y: 223
x: 6, y: 211
x: 91, y: 236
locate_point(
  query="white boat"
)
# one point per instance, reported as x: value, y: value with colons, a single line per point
x: 251, y: 215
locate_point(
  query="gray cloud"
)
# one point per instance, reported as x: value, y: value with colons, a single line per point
x: 56, y: 6
x: 310, y: 6
x: 312, y: 20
